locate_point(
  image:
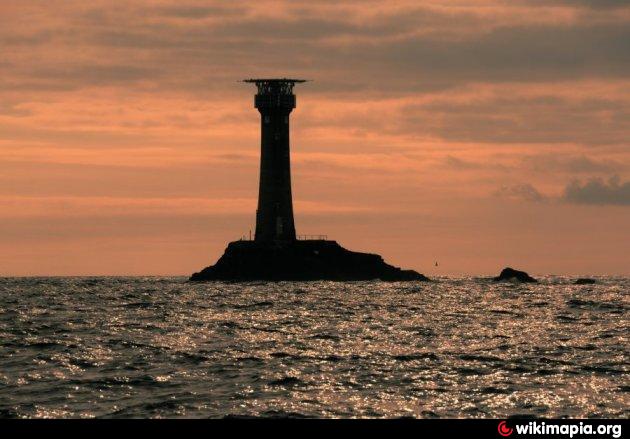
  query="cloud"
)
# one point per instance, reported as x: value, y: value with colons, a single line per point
x: 599, y: 192
x: 595, y: 191
x: 399, y: 48
x: 519, y: 113
x: 521, y: 191
x: 197, y: 12
x: 8, y: 109
x: 592, y: 4
x: 460, y: 164
x: 569, y: 163
x: 71, y: 206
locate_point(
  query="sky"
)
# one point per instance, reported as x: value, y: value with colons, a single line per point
x: 479, y: 134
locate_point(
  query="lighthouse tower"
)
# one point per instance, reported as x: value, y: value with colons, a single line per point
x: 274, y: 217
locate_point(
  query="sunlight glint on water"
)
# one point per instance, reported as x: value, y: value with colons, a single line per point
x: 160, y: 347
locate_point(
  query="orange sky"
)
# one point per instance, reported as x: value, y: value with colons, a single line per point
x: 476, y: 133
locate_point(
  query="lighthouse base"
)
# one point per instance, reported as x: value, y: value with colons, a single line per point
x: 300, y: 261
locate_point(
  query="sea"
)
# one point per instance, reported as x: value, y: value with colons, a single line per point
x: 457, y: 347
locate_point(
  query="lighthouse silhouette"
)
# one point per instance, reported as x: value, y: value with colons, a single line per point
x: 276, y: 254
x: 274, y: 217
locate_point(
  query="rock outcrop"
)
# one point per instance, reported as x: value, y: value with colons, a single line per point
x: 585, y: 281
x: 300, y: 261
x: 510, y: 274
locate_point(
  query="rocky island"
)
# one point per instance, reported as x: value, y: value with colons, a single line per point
x: 585, y: 281
x: 301, y: 261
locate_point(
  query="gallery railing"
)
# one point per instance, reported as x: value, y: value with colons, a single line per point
x: 298, y: 237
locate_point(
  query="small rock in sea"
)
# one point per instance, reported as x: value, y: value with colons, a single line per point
x: 512, y: 274
x: 585, y: 281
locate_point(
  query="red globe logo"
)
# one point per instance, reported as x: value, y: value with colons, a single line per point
x: 504, y: 430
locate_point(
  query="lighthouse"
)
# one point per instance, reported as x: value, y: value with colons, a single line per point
x: 275, y: 254
x: 274, y: 216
